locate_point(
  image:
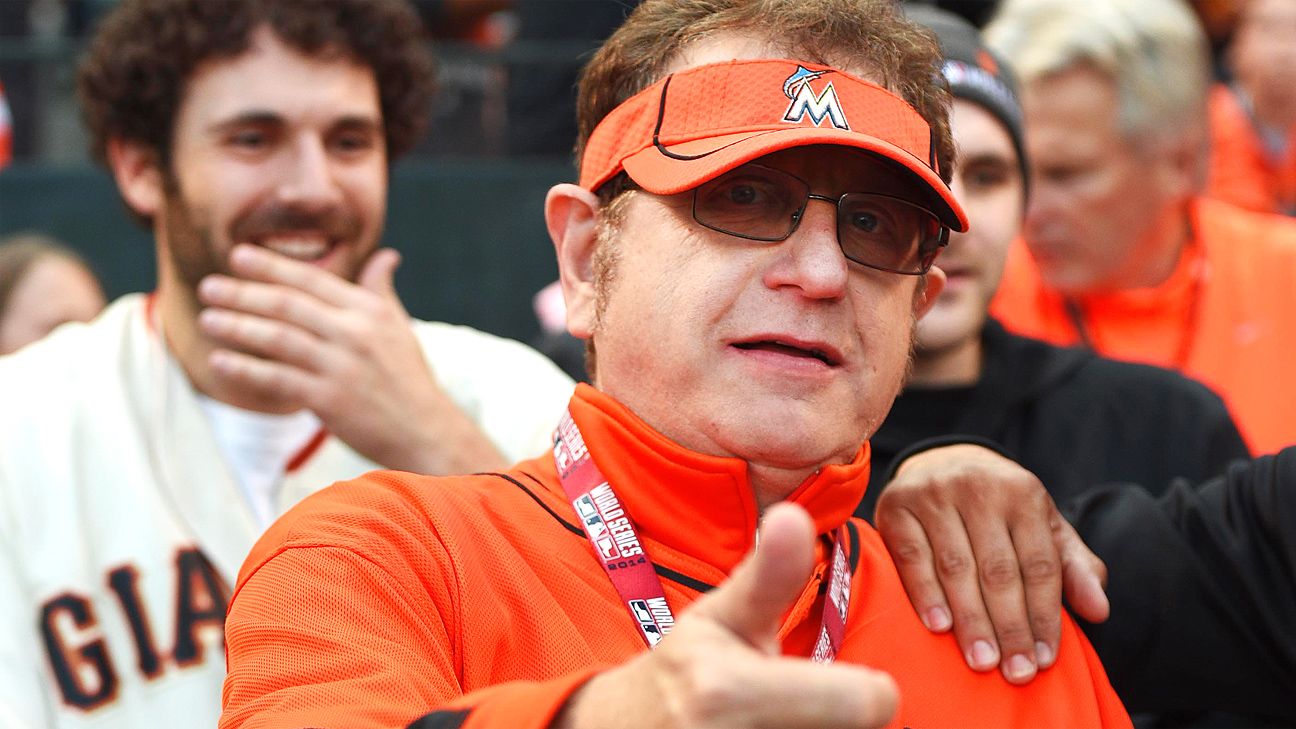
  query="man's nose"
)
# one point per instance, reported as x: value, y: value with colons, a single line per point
x: 308, y: 177
x: 811, y: 258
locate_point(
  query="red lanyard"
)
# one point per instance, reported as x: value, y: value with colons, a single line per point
x: 616, y: 543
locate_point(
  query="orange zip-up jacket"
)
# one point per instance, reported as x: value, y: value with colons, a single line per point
x: 387, y: 598
x: 1229, y: 308
x: 1241, y: 170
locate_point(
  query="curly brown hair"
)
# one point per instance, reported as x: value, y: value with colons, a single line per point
x: 131, y: 80
x: 872, y: 36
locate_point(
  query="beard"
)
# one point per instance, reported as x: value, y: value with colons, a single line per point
x: 191, y: 245
x: 195, y: 252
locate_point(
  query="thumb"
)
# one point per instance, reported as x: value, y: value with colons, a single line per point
x: 751, y: 603
x: 1083, y: 576
x: 378, y: 274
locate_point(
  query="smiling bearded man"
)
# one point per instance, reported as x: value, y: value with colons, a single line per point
x: 141, y: 455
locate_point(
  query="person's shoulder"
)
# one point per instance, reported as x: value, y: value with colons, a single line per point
x: 393, y: 514
x: 72, y: 346
x: 1230, y: 232
x: 1136, y: 382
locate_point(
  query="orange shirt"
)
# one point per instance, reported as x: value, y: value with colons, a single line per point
x: 1241, y: 170
x: 1226, y: 316
x: 382, y: 599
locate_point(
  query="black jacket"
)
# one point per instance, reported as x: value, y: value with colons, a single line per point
x: 1203, y: 591
x: 1073, y: 418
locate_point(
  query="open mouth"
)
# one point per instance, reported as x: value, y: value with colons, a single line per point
x: 790, y: 350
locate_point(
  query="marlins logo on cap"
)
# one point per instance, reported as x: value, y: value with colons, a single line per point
x: 804, y: 101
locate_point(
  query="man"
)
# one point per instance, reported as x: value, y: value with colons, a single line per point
x: 1120, y: 253
x: 1069, y: 416
x: 141, y: 456
x: 745, y: 340
x: 1072, y: 418
x: 1253, y: 118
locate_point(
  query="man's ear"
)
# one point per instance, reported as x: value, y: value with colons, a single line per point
x: 138, y: 176
x: 571, y: 213
x: 930, y: 286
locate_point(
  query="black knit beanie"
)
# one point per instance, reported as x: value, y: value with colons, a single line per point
x: 976, y: 73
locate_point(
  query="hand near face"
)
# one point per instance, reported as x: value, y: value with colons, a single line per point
x: 296, y: 335
x: 720, y: 666
x: 981, y: 546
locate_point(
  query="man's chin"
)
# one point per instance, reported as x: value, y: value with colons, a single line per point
x: 790, y: 434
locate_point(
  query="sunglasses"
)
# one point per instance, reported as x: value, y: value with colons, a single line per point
x: 762, y: 203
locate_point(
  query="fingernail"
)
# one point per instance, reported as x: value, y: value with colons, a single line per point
x: 983, y: 656
x: 937, y: 619
x: 1043, y: 654
x: 1019, y: 668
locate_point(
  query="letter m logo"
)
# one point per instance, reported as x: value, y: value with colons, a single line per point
x: 824, y: 106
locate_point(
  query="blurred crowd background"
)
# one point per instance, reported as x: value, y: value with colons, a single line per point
x: 465, y: 207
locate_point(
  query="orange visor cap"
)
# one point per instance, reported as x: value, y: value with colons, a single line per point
x: 697, y: 124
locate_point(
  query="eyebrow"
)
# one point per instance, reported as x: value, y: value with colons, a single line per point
x: 262, y: 117
x: 985, y: 158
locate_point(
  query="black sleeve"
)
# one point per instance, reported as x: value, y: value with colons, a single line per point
x: 1223, y: 442
x: 1203, y: 590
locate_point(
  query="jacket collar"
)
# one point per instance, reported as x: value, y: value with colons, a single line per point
x: 698, y: 505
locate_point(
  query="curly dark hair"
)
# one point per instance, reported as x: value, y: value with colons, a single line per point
x: 131, y: 80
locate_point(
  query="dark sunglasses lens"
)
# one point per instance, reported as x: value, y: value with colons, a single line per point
x: 752, y: 201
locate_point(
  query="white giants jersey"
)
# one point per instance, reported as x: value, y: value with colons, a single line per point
x: 122, y: 529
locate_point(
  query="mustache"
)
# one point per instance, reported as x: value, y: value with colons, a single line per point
x: 335, y: 222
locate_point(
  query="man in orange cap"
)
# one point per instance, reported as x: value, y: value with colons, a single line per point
x: 747, y: 252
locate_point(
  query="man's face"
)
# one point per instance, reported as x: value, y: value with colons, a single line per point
x: 783, y: 354
x: 1264, y: 56
x: 988, y: 182
x: 280, y: 150
x: 1095, y: 194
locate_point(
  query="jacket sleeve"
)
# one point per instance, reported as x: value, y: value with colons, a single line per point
x: 330, y: 637
x: 1203, y: 590
x: 1222, y: 442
